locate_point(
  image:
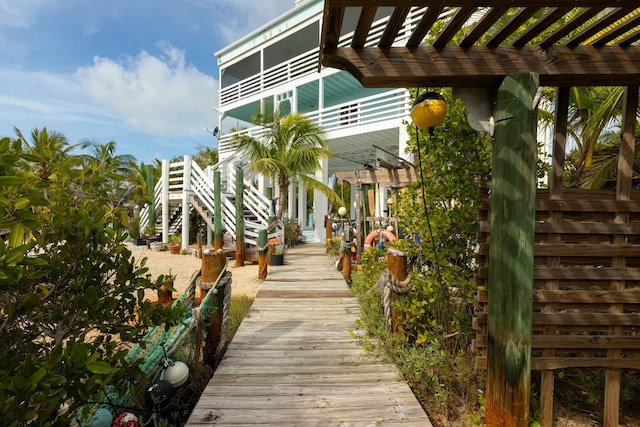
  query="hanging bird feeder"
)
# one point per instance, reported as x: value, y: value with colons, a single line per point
x: 428, y: 110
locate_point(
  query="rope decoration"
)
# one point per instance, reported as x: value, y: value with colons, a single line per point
x: 388, y: 284
x: 226, y: 314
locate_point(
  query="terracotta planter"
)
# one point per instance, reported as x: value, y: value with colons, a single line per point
x: 174, y: 248
x: 164, y: 293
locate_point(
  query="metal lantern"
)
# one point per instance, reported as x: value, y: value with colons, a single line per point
x: 428, y: 110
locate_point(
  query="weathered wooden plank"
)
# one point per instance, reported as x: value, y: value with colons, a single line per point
x: 579, y: 250
x: 576, y: 273
x: 295, y: 360
x: 579, y: 296
x: 578, y: 228
x: 576, y: 342
x: 580, y: 319
x: 540, y: 363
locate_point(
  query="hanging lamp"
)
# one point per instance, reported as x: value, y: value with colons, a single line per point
x: 428, y: 110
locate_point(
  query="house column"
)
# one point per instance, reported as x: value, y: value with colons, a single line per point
x: 291, y: 201
x: 320, y: 202
x: 302, y: 204
x: 165, y: 201
x: 186, y: 190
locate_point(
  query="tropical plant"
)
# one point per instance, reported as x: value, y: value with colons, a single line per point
x: 71, y: 296
x: 206, y: 156
x: 291, y: 146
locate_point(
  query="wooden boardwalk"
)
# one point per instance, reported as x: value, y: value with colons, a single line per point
x: 295, y: 362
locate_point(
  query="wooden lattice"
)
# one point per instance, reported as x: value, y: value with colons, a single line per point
x: 586, y: 289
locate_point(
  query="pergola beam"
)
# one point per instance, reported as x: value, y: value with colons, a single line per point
x: 385, y: 177
x: 486, y: 67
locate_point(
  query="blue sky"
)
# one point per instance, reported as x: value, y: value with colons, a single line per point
x: 140, y: 72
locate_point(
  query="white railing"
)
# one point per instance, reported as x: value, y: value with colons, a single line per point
x: 389, y: 105
x: 201, y: 187
x: 307, y: 63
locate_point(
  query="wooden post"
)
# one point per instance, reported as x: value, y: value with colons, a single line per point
x: 397, y: 266
x: 262, y: 254
x: 623, y: 192
x: 346, y: 255
x: 239, y: 217
x: 217, y: 212
x: 212, y: 265
x: 556, y: 187
x: 328, y: 232
x: 511, y: 253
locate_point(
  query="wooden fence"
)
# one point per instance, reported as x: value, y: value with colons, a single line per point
x: 586, y: 287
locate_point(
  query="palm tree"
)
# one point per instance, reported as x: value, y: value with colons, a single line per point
x: 49, y: 151
x: 206, y: 156
x: 292, y: 145
x: 111, y: 167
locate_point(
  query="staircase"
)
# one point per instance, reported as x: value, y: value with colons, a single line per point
x: 185, y: 180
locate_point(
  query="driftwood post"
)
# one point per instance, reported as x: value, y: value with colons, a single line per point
x: 511, y: 253
x: 212, y: 266
x: 397, y: 266
x: 263, y: 249
x: 239, y: 217
x: 217, y: 212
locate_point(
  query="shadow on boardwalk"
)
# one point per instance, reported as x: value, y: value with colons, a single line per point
x: 295, y: 360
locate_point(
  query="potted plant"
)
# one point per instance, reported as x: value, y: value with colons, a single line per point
x: 174, y: 244
x: 277, y: 257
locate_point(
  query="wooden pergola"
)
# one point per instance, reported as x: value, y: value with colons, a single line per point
x: 561, y: 277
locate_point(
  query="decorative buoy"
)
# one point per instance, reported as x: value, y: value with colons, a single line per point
x: 157, y: 393
x: 125, y: 419
x: 177, y: 373
x: 428, y: 110
x: 102, y: 417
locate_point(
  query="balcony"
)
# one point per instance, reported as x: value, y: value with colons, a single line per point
x: 305, y: 64
x: 387, y: 106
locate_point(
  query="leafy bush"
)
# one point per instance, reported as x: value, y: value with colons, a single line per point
x: 71, y: 296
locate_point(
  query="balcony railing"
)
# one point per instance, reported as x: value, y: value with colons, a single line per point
x: 306, y: 63
x: 391, y: 105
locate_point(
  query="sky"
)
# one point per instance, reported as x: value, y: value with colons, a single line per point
x: 139, y: 72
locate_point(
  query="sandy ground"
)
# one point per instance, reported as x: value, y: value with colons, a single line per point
x: 244, y: 279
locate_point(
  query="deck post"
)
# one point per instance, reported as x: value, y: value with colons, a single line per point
x: 263, y: 249
x: 511, y: 253
x: 397, y: 266
x: 239, y: 217
x: 346, y: 254
x: 217, y: 212
x: 212, y: 266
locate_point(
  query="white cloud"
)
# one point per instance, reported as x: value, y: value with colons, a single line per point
x: 19, y: 13
x: 158, y: 95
